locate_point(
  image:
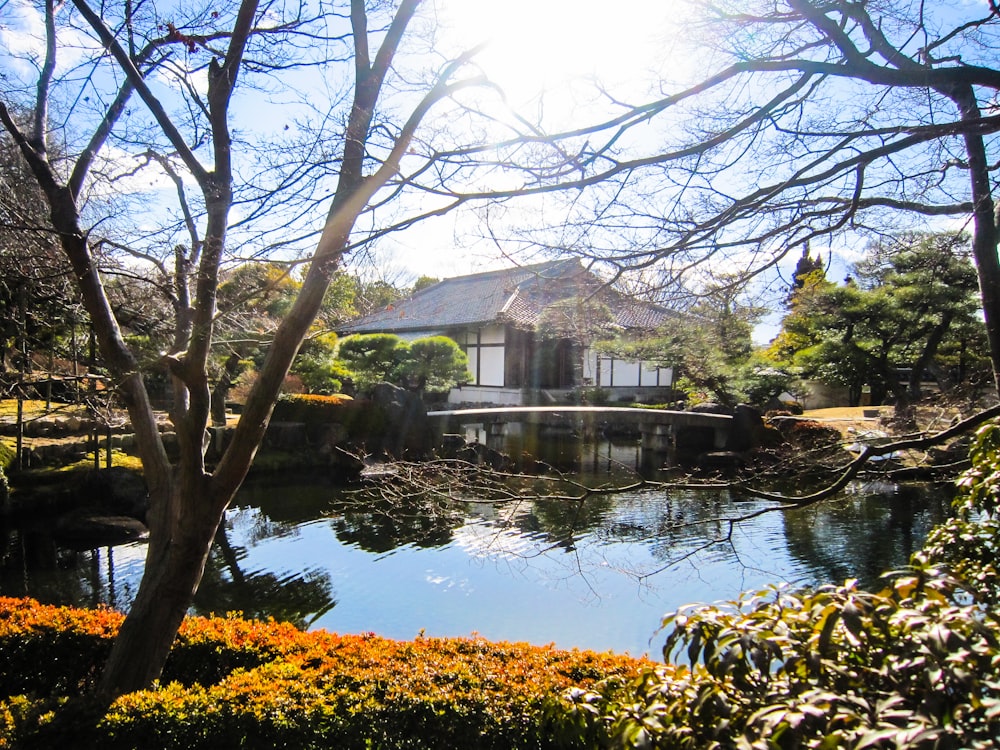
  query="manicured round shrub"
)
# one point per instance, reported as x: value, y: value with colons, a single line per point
x: 310, y: 408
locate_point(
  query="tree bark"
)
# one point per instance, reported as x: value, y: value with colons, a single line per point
x: 984, y: 234
x: 175, y: 563
x: 927, y: 355
x: 186, y: 503
x: 191, y: 507
x: 221, y: 391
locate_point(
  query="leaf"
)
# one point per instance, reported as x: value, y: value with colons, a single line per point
x: 851, y: 616
x: 830, y: 617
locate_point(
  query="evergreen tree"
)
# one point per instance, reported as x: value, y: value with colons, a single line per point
x: 886, y: 326
x: 805, y: 269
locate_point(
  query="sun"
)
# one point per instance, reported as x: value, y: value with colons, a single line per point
x: 564, y: 49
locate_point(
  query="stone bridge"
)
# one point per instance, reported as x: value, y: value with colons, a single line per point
x: 657, y: 426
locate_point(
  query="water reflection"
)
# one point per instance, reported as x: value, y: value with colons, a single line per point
x: 852, y: 536
x: 595, y: 573
x: 300, y: 597
x: 33, y: 564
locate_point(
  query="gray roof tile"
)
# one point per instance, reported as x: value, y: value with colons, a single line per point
x: 513, y: 295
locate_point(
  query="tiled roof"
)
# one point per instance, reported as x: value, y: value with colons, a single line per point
x: 513, y: 295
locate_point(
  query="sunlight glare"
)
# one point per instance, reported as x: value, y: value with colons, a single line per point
x: 548, y: 47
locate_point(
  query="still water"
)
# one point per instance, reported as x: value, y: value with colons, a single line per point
x: 594, y: 574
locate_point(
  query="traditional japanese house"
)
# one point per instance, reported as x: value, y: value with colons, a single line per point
x: 527, y: 332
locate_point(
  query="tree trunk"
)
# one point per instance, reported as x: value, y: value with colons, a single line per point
x: 187, y: 503
x: 984, y: 235
x: 927, y: 355
x: 175, y: 563
x: 221, y: 391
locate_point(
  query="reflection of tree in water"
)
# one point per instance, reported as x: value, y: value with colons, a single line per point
x: 33, y: 564
x: 380, y: 526
x: 677, y: 525
x: 669, y: 523
x: 300, y: 597
x: 376, y: 519
x: 528, y: 516
x: 665, y: 519
x: 866, y: 533
x: 289, y: 503
x: 553, y: 511
x: 560, y: 522
x: 423, y: 504
x: 861, y: 535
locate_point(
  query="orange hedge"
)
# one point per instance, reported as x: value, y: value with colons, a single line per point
x: 237, y: 683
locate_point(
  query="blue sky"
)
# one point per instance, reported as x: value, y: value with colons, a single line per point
x: 551, y: 58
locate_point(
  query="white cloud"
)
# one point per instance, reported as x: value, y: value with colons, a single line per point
x: 22, y: 33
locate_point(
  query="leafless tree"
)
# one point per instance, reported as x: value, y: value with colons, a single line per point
x: 132, y: 82
x: 821, y: 117
x: 802, y: 120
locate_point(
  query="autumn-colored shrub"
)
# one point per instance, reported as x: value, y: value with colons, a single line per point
x: 7, y: 455
x: 807, y: 434
x: 310, y: 408
x: 318, y: 412
x: 916, y: 665
x: 51, y: 650
x: 238, y: 683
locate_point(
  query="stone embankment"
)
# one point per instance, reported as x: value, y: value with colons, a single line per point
x: 58, y: 439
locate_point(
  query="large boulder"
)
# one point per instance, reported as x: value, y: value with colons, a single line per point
x: 334, y: 447
x: 747, y: 430
x: 115, y: 491
x: 87, y: 529
x: 406, y: 431
x: 692, y: 441
x: 286, y: 436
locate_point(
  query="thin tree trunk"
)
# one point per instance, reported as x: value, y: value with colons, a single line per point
x: 187, y: 503
x: 927, y: 355
x: 221, y: 391
x: 984, y: 235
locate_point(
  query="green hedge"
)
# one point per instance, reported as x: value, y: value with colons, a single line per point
x: 317, y: 412
x: 311, y: 409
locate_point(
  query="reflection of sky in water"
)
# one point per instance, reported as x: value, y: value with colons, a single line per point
x: 518, y: 572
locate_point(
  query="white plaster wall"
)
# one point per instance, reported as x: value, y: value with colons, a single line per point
x: 491, y: 365
x: 649, y: 375
x: 472, y: 352
x: 486, y: 363
x: 476, y: 395
x: 492, y: 335
x: 626, y: 373
x: 606, y: 373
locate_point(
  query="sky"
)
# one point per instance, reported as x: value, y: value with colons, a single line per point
x: 552, y: 46
x: 549, y: 57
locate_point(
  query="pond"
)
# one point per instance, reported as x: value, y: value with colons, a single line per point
x: 595, y: 574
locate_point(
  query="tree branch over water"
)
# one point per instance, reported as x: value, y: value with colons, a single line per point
x: 529, y: 504
x: 872, y: 451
